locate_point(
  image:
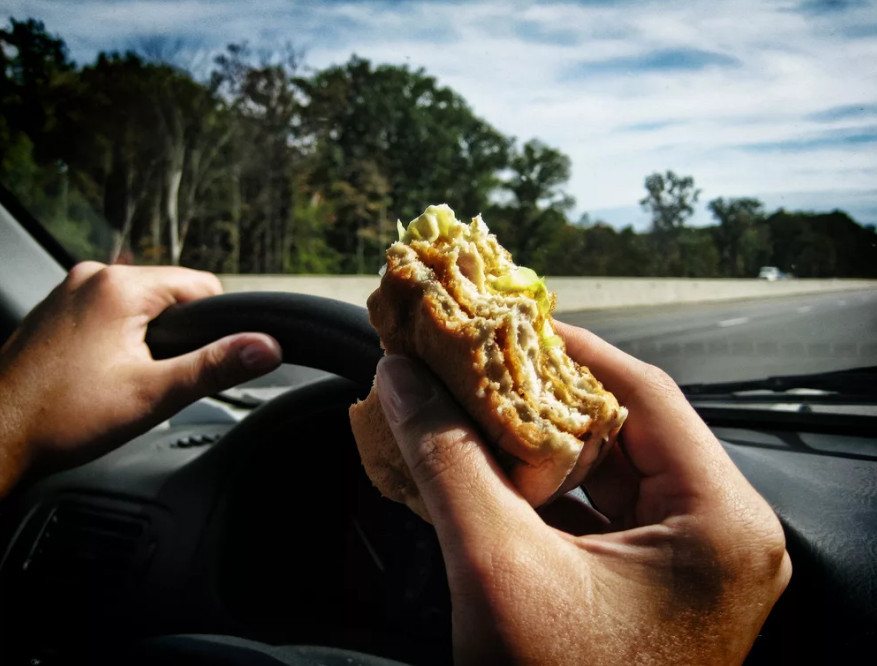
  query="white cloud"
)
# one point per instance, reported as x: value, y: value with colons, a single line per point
x: 512, y: 62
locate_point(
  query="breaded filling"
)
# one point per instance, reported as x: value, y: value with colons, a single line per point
x: 505, y: 310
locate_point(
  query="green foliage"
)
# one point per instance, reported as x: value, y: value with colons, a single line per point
x: 741, y: 246
x: 821, y: 245
x: 18, y: 171
x: 265, y: 168
x: 32, y: 77
x: 598, y: 249
x: 698, y: 254
x: 386, y: 142
x: 79, y: 228
x: 670, y: 200
x: 311, y: 252
x: 537, y: 211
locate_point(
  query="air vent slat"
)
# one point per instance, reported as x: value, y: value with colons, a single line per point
x: 81, y: 545
x: 93, y: 521
x: 105, y: 540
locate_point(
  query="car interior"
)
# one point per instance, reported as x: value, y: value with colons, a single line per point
x: 259, y: 521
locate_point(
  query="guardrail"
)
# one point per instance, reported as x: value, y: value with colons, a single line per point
x: 573, y: 293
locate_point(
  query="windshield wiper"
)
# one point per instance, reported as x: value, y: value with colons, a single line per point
x: 857, y: 385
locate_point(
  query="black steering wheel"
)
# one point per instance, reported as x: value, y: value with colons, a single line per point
x: 316, y: 332
x: 279, y: 461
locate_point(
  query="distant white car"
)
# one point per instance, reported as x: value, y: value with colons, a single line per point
x: 770, y: 273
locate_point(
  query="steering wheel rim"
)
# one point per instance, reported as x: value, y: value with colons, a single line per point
x: 316, y: 332
x: 335, y: 337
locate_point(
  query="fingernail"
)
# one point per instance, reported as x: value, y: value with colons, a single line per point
x: 402, y: 387
x: 260, y: 356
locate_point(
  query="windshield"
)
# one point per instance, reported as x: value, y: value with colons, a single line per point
x: 695, y: 179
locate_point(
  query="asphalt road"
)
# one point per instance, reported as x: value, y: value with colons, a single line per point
x: 745, y: 339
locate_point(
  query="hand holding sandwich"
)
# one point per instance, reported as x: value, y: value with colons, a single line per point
x: 686, y: 571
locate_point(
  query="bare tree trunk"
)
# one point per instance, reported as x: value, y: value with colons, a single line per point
x: 122, y: 198
x: 122, y: 244
x: 175, y: 154
x: 360, y: 249
x: 236, y: 218
x: 155, y: 228
x: 289, y: 239
x: 174, y: 176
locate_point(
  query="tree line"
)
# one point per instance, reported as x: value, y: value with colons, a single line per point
x: 264, y: 165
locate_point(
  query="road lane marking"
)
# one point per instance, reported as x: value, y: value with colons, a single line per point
x: 805, y: 308
x: 841, y: 302
x: 736, y: 321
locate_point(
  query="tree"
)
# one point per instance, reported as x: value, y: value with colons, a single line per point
x: 267, y: 156
x: 821, y: 245
x: 32, y: 63
x: 195, y: 128
x: 37, y: 79
x: 536, y: 213
x: 738, y: 239
x: 565, y: 253
x: 698, y: 254
x: 111, y: 156
x: 408, y: 141
x: 601, y: 250
x: 670, y: 199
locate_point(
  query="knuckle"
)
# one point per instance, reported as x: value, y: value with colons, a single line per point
x: 213, y: 283
x: 82, y: 271
x: 767, y: 554
x: 439, y: 452
x: 659, y: 381
x: 209, y: 372
x: 112, y: 273
x: 749, y: 545
x: 653, y: 382
x: 110, y: 281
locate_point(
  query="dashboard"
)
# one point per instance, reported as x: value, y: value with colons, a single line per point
x: 266, y: 527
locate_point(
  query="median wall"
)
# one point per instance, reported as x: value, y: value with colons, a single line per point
x: 573, y: 293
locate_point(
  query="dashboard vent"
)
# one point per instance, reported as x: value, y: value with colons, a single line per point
x: 87, y: 547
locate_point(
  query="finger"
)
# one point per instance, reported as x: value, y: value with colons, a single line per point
x: 216, y: 367
x: 470, y: 500
x: 145, y: 290
x: 166, y: 285
x: 620, y: 372
x: 613, y: 487
x: 663, y: 435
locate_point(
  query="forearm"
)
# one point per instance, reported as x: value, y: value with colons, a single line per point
x: 15, y: 452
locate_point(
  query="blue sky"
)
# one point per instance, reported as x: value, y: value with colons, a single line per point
x: 769, y: 98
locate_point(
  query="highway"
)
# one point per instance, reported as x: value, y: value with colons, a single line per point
x: 726, y: 341
x: 737, y: 340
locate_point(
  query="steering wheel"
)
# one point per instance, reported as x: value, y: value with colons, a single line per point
x: 413, y: 608
x: 316, y: 332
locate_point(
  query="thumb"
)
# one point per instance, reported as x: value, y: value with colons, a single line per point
x: 468, y: 496
x: 220, y: 365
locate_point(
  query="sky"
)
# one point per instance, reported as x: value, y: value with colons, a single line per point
x: 774, y: 99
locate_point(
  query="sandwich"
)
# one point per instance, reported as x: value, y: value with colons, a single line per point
x: 451, y: 296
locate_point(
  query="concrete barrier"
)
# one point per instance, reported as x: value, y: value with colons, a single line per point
x: 573, y: 293
x: 590, y: 293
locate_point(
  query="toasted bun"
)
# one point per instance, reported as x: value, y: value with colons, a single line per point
x: 452, y: 297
